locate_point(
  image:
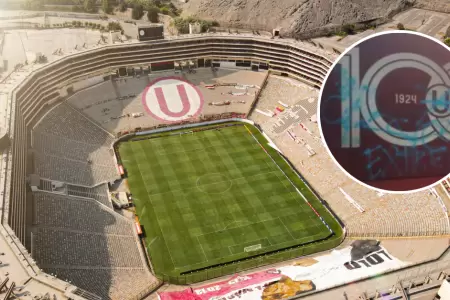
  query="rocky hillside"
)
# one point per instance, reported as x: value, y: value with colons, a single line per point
x: 436, y: 5
x: 293, y: 16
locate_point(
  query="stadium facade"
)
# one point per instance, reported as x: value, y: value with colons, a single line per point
x: 50, y: 84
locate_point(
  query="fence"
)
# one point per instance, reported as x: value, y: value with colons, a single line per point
x: 228, y: 27
x: 391, y: 235
x: 256, y: 99
x: 85, y: 294
x: 334, y: 29
x: 260, y: 261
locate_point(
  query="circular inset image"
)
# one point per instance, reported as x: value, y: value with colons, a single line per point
x: 384, y: 111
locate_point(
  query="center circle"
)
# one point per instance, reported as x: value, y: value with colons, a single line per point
x: 214, y: 183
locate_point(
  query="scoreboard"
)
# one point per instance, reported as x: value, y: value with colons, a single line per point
x: 150, y: 32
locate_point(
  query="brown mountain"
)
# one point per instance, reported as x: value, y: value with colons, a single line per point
x: 292, y: 16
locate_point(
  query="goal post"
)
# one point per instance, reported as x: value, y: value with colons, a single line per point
x: 186, y: 133
x: 252, y: 248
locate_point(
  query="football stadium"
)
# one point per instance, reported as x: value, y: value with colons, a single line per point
x: 191, y: 167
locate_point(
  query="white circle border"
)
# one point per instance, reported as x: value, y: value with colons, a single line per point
x: 347, y: 50
x: 223, y: 192
x: 368, y: 110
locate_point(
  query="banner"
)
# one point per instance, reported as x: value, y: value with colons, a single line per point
x: 360, y: 260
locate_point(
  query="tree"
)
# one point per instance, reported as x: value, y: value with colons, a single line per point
x: 182, y: 25
x: 106, y: 7
x: 89, y: 5
x: 33, y: 4
x: 177, y: 12
x: 447, y: 41
x: 114, y: 26
x: 123, y: 7
x: 77, y: 8
x: 152, y: 14
x: 165, y: 10
x: 41, y: 59
x: 205, y: 25
x: 173, y: 10
x: 137, y: 12
x: 348, y: 28
x: 400, y: 26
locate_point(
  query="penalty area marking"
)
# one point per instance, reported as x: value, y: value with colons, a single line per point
x: 197, y: 263
x: 232, y: 253
x: 151, y: 242
x: 300, y: 240
x: 222, y: 230
x: 286, y: 229
x: 312, y: 237
x: 202, y: 248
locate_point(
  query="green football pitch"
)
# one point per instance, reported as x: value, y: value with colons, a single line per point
x: 216, y: 196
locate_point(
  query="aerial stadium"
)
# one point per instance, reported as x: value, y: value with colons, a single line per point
x: 192, y: 167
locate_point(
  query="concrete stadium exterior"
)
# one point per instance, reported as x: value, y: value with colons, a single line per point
x: 48, y: 84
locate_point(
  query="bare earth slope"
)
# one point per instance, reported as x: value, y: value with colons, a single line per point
x: 291, y: 15
x: 437, y: 5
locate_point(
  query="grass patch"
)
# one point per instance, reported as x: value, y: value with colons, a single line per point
x: 220, y: 200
